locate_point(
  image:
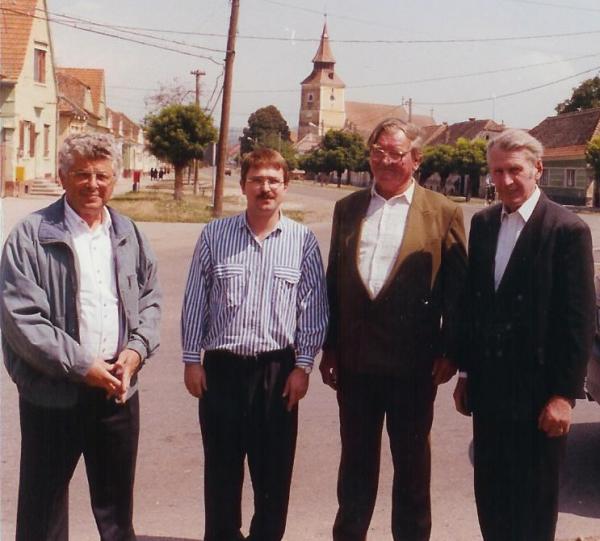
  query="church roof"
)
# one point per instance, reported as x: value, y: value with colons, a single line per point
x: 324, y: 53
x: 363, y: 117
x: 324, y: 77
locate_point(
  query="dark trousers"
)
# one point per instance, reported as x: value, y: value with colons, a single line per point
x: 365, y: 401
x: 517, y: 471
x: 244, y: 414
x: 52, y: 440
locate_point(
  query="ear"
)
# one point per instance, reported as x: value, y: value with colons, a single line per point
x: 539, y: 168
x: 243, y: 186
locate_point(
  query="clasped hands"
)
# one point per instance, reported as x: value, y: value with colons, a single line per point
x: 114, y: 378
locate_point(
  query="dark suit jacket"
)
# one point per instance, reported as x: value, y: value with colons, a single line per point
x: 400, y: 331
x: 530, y: 339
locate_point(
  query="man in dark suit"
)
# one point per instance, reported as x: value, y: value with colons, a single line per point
x: 396, y: 267
x: 530, y: 322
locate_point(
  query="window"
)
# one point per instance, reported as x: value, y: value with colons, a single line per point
x: 545, y: 177
x: 46, y: 140
x: 570, y: 178
x: 31, y: 139
x: 39, y: 66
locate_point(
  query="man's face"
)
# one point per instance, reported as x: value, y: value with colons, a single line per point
x: 88, y: 185
x: 392, y: 163
x: 515, y: 175
x: 264, y: 189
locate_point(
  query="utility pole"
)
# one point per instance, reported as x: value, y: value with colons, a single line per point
x: 197, y: 73
x: 410, y: 109
x: 225, y: 108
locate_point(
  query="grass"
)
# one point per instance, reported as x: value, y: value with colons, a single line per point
x: 158, y: 205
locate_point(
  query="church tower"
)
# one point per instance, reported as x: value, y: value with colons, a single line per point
x: 322, y: 105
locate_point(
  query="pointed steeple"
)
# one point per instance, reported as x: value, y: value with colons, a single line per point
x: 324, y: 54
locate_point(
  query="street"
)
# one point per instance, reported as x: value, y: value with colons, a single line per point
x: 168, y: 497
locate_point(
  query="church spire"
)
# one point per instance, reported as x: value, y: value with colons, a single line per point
x: 324, y: 54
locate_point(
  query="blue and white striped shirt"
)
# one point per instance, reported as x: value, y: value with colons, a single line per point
x: 250, y: 297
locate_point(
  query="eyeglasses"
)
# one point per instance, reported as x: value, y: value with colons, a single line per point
x: 273, y: 183
x: 379, y: 153
x: 84, y: 177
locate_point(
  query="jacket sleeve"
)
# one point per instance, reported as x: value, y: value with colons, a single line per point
x: 26, y: 315
x: 332, y: 277
x: 454, y: 270
x: 145, y: 338
x: 575, y: 306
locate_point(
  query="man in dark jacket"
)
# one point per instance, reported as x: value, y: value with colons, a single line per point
x: 530, y: 322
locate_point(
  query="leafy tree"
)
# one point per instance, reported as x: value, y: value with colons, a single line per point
x: 178, y: 134
x: 339, y: 151
x: 585, y: 96
x: 437, y: 159
x: 592, y: 157
x: 470, y: 159
x: 266, y: 128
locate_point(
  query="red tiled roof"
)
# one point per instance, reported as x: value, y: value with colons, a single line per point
x: 569, y: 129
x: 433, y: 131
x: 324, y: 77
x: 574, y: 151
x: 73, y: 90
x: 470, y: 129
x: 92, y: 77
x: 16, y: 18
x: 363, y: 117
x: 66, y: 105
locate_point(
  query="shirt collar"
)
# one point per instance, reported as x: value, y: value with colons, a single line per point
x: 242, y: 222
x: 75, y: 222
x: 526, y: 209
x: 407, y: 194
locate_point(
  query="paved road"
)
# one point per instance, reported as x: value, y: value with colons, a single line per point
x: 169, y: 476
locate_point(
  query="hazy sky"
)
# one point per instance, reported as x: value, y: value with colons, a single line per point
x: 269, y: 71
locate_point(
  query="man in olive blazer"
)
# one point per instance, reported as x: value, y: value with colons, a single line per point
x: 396, y: 268
x: 530, y: 322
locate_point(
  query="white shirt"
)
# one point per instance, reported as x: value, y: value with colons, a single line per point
x: 511, y: 225
x: 97, y: 292
x: 381, y: 237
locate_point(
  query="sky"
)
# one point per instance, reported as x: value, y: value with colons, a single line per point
x: 436, y: 52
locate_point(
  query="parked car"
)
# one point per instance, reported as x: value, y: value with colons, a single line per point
x: 592, y: 381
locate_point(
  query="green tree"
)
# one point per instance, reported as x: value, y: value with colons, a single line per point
x: 437, y: 159
x: 470, y: 159
x: 592, y: 157
x: 585, y: 96
x: 178, y: 134
x: 266, y: 128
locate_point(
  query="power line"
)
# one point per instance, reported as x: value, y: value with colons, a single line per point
x: 553, y: 5
x: 509, y: 94
x: 107, y: 34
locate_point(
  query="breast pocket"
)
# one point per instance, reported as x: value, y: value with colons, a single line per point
x: 286, y: 284
x: 230, y: 283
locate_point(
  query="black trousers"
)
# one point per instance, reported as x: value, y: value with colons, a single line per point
x: 365, y: 401
x: 52, y: 440
x: 517, y: 470
x: 244, y: 414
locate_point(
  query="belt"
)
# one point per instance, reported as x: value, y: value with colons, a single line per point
x: 276, y: 355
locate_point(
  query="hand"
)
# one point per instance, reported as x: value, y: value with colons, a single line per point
x: 126, y: 366
x: 555, y: 418
x: 194, y: 377
x: 461, y: 398
x: 295, y: 387
x: 100, y: 375
x: 443, y: 370
x: 329, y: 368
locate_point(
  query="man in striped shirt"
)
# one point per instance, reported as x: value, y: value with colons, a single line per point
x: 256, y: 305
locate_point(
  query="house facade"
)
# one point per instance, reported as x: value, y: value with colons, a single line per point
x: 28, y: 96
x: 567, y: 178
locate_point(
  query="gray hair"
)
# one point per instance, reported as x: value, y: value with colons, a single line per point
x: 412, y: 132
x: 514, y: 139
x: 92, y: 146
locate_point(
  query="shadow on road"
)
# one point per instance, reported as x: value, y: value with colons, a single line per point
x: 153, y: 538
x: 580, y: 485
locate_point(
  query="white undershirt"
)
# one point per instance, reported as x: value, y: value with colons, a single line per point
x: 98, y: 298
x: 381, y: 236
x: 511, y: 225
